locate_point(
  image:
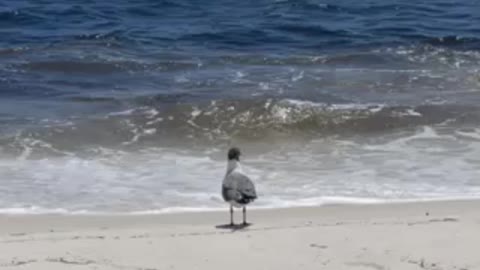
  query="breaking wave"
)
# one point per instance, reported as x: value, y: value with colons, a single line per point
x: 221, y: 121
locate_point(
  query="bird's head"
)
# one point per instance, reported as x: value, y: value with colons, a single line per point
x: 234, y: 154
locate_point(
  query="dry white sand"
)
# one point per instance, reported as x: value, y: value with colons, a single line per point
x: 438, y: 235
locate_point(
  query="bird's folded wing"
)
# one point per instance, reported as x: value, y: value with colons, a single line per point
x: 238, y: 182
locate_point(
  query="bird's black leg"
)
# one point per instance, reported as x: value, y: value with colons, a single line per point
x: 231, y: 216
x: 244, y: 215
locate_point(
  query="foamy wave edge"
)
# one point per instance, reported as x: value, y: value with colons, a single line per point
x: 310, y: 202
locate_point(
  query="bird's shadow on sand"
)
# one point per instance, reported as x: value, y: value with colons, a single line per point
x: 234, y: 227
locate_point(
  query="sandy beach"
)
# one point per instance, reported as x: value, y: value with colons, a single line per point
x: 433, y: 235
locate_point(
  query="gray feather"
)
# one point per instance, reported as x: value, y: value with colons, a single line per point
x: 239, y: 188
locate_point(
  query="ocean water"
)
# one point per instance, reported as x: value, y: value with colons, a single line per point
x: 130, y: 106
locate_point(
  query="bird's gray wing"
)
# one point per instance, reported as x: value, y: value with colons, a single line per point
x: 239, y: 188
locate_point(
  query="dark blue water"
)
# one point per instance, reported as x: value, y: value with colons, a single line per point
x: 108, y: 41
x: 374, y: 92
x: 150, y: 27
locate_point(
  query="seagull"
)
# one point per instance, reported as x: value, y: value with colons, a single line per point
x: 237, y: 189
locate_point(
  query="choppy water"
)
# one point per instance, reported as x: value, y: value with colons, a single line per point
x: 130, y: 106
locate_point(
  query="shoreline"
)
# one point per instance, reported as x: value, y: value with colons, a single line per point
x: 13, y: 211
x: 437, y: 235
x: 215, y: 217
